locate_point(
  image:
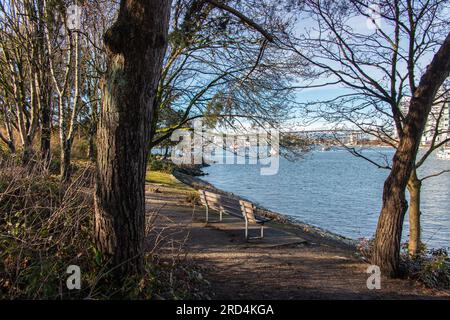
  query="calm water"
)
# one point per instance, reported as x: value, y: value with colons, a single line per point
x: 337, y: 191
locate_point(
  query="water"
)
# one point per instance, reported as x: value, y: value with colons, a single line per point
x: 339, y: 192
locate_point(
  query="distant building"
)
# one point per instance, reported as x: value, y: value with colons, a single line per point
x: 440, y: 109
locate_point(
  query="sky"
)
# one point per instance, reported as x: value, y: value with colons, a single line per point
x: 361, y: 25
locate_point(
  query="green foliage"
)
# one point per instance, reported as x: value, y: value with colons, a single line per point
x: 157, y: 164
x: 213, y: 110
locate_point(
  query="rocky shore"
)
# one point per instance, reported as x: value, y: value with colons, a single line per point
x: 191, y: 176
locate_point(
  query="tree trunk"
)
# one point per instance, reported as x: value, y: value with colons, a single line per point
x: 166, y: 152
x: 91, y: 151
x: 46, y: 91
x: 135, y: 45
x: 389, y: 230
x: 8, y: 141
x: 27, y: 151
x: 66, y: 152
x: 92, y: 132
x: 11, y: 147
x: 45, y: 129
x: 414, y: 188
x: 9, y: 138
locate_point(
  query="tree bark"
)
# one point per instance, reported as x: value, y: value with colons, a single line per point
x: 45, y: 131
x: 27, y: 152
x: 91, y: 151
x: 46, y: 92
x: 9, y: 139
x: 135, y: 45
x: 66, y: 153
x: 46, y: 118
x: 389, y: 229
x: 414, y: 187
x: 11, y: 147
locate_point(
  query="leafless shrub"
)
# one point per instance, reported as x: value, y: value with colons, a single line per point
x: 45, y: 226
x: 43, y: 229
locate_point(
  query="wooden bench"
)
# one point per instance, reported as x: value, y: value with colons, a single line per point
x: 233, y: 207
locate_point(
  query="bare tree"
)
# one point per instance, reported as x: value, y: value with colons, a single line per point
x: 64, y: 66
x: 21, y: 77
x: 97, y: 18
x: 387, y: 238
x: 376, y: 69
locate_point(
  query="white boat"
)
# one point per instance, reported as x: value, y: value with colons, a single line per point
x: 443, y: 154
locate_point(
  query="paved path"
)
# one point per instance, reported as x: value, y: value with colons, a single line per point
x: 288, y: 264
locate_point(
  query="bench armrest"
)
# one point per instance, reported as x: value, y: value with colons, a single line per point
x: 261, y: 219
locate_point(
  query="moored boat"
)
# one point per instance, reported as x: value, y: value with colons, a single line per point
x: 443, y: 154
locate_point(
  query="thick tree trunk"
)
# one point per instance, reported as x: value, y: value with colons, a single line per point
x: 389, y: 230
x: 414, y: 188
x: 136, y: 44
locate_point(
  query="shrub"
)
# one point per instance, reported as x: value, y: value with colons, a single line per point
x: 46, y: 226
x: 430, y: 266
x: 43, y: 230
x: 80, y: 148
x: 364, y: 248
x: 157, y: 164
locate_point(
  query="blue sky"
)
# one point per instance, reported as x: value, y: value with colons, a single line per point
x: 360, y: 25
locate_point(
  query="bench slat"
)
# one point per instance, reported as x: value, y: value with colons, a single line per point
x: 231, y: 206
x: 249, y: 210
x: 237, y: 208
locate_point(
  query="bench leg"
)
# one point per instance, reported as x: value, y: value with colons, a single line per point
x: 206, y: 214
x: 246, y: 230
x: 247, y: 237
x: 221, y: 213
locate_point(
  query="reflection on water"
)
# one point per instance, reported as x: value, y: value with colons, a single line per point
x: 339, y: 192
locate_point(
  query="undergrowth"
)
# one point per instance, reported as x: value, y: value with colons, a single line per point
x: 431, y: 267
x: 45, y: 227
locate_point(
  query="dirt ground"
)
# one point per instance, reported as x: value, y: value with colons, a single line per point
x: 288, y: 264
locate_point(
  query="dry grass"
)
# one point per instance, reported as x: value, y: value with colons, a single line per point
x: 46, y: 226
